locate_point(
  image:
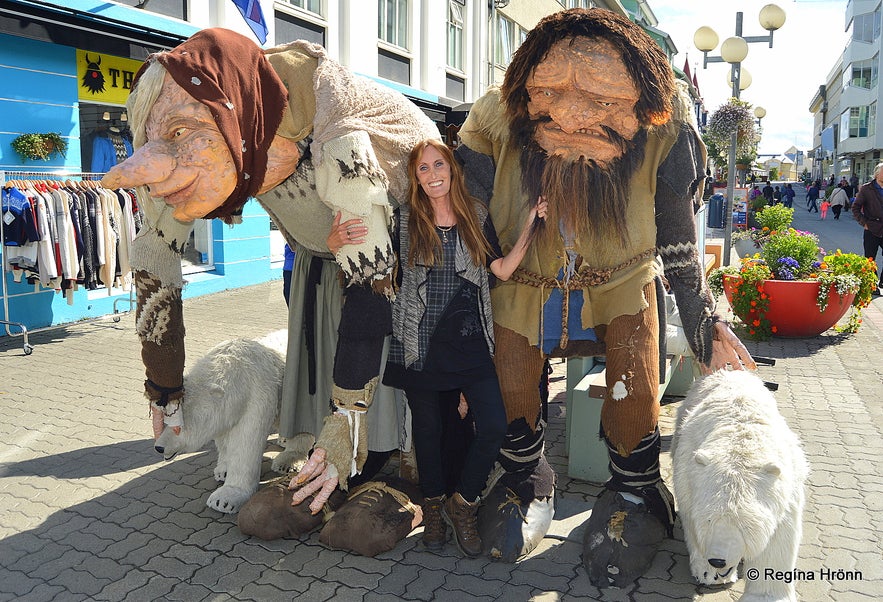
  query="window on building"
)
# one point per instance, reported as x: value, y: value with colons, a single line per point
x: 314, y: 6
x: 866, y: 27
x: 872, y: 120
x: 855, y: 122
x: 392, y: 25
x: 455, y: 35
x: 394, y: 67
x: 169, y: 8
x: 861, y: 74
x: 509, y: 38
x: 580, y: 4
x: 289, y: 28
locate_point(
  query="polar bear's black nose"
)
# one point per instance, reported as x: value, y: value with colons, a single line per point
x: 717, y: 563
x: 159, y: 448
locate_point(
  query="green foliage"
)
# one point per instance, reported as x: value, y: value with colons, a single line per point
x: 775, y: 217
x: 39, y: 146
x: 734, y: 116
x: 791, y: 254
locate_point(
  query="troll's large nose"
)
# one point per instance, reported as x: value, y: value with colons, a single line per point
x: 147, y: 165
x: 717, y: 563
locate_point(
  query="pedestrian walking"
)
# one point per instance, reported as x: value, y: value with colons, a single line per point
x: 812, y: 195
x: 788, y: 195
x: 839, y: 199
x: 826, y: 204
x: 868, y: 212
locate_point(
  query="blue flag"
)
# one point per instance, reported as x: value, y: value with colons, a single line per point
x: 254, y: 16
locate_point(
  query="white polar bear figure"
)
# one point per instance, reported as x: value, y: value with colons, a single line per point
x: 739, y: 475
x: 233, y: 397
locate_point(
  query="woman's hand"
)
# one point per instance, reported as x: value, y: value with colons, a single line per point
x: 350, y: 232
x: 538, y: 211
x: 727, y: 351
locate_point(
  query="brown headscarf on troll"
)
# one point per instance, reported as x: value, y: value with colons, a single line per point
x: 230, y: 75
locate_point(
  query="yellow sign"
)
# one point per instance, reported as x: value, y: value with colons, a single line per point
x: 105, y: 78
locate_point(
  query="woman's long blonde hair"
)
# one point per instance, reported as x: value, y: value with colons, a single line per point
x: 424, y: 238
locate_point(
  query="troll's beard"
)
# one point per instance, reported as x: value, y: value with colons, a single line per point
x: 584, y: 197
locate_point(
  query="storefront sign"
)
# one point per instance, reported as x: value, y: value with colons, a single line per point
x: 105, y: 78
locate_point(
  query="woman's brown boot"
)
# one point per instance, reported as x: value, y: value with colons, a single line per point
x: 463, y: 518
x: 435, y: 531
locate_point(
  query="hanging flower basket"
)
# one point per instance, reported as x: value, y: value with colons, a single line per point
x: 40, y: 147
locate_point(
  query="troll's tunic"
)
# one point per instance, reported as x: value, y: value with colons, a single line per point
x: 612, y: 276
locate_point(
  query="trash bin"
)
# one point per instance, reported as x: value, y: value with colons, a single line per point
x: 716, y: 211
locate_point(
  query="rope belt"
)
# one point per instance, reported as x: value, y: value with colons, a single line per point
x: 583, y: 277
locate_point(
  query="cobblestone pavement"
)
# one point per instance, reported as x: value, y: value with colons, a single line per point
x: 89, y: 511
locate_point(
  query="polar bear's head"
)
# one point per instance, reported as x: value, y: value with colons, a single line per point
x: 735, y: 514
x: 197, y: 410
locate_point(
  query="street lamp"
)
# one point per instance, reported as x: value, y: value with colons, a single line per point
x: 733, y: 51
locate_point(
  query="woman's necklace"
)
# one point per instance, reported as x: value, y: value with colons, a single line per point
x: 444, y: 230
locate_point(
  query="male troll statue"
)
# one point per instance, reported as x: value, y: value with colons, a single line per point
x: 218, y: 120
x: 589, y: 117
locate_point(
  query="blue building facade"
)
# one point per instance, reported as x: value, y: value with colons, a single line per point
x: 41, y: 67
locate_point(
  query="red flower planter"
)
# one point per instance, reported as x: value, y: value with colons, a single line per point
x: 793, y: 309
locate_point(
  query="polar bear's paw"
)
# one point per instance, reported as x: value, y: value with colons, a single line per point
x: 228, y: 499
x: 297, y: 450
x: 708, y: 575
x: 221, y: 472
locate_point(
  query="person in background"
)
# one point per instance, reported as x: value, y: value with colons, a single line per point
x: 788, y: 195
x: 812, y: 195
x: 839, y: 199
x: 443, y: 337
x: 777, y: 196
x: 868, y: 212
x: 826, y: 204
x: 768, y: 193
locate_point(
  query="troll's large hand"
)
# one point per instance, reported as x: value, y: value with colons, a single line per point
x: 317, y: 476
x: 728, y: 351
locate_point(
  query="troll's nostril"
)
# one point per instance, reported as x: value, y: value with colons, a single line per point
x: 717, y: 563
x: 159, y: 448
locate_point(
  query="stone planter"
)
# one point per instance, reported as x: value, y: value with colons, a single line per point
x: 793, y: 309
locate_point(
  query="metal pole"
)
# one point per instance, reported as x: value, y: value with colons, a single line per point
x: 731, y: 160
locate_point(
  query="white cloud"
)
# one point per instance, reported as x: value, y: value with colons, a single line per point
x: 784, y: 78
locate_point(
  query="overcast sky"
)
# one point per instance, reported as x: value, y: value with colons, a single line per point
x: 784, y: 77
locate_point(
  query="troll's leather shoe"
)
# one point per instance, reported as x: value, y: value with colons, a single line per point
x: 463, y: 518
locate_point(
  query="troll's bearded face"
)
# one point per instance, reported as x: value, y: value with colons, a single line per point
x: 583, y: 100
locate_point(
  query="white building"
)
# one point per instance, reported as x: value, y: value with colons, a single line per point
x: 845, y: 136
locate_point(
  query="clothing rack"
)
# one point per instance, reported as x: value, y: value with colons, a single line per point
x: 5, y: 177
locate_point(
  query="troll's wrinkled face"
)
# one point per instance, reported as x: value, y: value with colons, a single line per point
x: 583, y: 100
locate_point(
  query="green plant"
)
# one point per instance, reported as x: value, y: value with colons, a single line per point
x: 775, y: 217
x: 39, y: 146
x: 791, y: 254
x: 794, y: 255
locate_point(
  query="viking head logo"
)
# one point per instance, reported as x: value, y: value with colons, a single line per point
x: 93, y: 79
